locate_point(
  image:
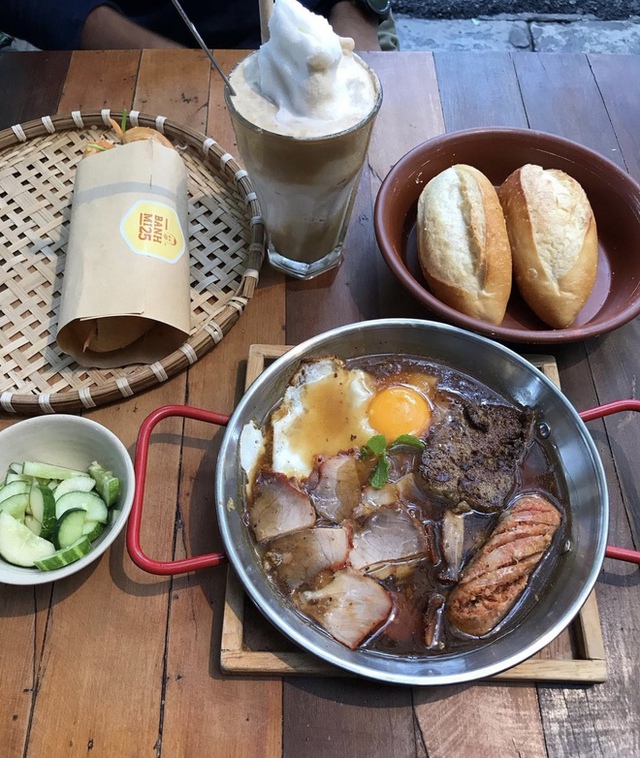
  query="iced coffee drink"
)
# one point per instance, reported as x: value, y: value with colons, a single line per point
x: 303, y: 113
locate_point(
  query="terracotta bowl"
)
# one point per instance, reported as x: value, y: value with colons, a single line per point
x: 614, y: 197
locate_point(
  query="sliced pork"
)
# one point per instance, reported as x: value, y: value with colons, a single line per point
x: 278, y: 507
x: 388, y: 540
x: 498, y: 573
x: 351, y: 607
x: 297, y: 558
x: 433, y: 622
x: 452, y: 544
x: 337, y: 491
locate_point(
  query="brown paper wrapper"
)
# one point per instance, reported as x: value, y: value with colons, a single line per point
x: 125, y: 295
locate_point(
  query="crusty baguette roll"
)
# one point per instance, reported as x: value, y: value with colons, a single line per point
x: 463, y: 244
x: 554, y: 242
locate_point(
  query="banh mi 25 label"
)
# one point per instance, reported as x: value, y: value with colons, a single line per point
x: 153, y: 229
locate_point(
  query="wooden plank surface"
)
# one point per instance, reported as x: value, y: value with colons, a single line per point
x: 478, y: 90
x: 463, y: 82
x: 562, y: 95
x: 312, y: 712
x: 414, y: 94
x: 30, y: 85
x: 157, y: 673
x: 242, y: 718
x: 129, y: 600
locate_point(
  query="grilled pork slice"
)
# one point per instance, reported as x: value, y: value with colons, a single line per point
x: 297, y: 558
x: 498, y: 573
x: 351, y: 607
x: 452, y: 545
x: 372, y: 499
x: 278, y: 507
x: 473, y: 459
x: 337, y: 491
x: 388, y: 541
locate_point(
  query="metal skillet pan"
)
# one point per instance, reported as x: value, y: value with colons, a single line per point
x: 576, y: 569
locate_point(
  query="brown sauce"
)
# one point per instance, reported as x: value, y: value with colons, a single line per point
x: 420, y: 598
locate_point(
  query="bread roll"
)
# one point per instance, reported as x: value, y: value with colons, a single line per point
x: 105, y: 335
x: 463, y: 244
x: 554, y: 242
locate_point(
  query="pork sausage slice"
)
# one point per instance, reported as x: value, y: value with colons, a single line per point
x: 498, y: 573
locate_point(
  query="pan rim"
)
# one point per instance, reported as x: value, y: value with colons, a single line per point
x: 312, y: 640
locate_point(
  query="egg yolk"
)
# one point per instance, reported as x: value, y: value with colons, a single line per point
x: 399, y: 410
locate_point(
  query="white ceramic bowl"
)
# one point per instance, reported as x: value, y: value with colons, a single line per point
x: 74, y: 442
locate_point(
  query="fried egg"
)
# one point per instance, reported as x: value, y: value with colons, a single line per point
x: 328, y: 409
x: 323, y: 412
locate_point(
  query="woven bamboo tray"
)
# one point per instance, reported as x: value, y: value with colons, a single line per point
x: 37, y: 168
x: 251, y: 645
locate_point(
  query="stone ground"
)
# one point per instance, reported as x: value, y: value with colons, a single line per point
x: 546, y: 26
x: 601, y: 9
x: 524, y: 31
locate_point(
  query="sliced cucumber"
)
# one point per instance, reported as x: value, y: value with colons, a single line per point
x: 107, y: 484
x: 13, y: 488
x: 65, y: 556
x: 13, y: 477
x: 91, y: 502
x: 16, y: 505
x: 19, y: 545
x: 43, y: 507
x: 16, y: 468
x: 33, y: 524
x: 92, y: 529
x: 70, y: 527
x: 49, y: 471
x: 74, y: 484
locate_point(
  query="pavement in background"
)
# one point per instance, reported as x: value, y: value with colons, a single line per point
x: 602, y: 9
x: 525, y: 32
x: 613, y: 26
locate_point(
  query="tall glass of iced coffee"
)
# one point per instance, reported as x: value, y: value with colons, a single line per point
x: 303, y: 113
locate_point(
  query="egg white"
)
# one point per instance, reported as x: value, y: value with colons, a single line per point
x: 323, y: 412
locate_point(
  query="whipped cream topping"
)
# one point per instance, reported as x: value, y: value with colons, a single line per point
x: 305, y: 80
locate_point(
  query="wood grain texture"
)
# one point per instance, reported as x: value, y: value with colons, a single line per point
x: 315, y: 720
x: 621, y: 102
x: 130, y: 600
x: 343, y: 717
x: 156, y: 672
x: 479, y: 89
x: 480, y: 721
x: 30, y: 85
x: 411, y: 113
x: 463, y: 85
x: 243, y: 718
x: 24, y: 612
x: 562, y: 96
x: 100, y: 79
x: 219, y: 122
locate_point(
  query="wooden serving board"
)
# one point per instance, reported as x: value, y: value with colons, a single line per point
x: 251, y: 645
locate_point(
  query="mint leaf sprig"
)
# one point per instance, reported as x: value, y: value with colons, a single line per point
x: 377, y: 445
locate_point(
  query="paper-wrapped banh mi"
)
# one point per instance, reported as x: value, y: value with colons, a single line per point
x: 125, y: 295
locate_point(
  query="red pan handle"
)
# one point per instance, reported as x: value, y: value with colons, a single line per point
x: 164, y: 568
x: 600, y: 411
x: 167, y: 568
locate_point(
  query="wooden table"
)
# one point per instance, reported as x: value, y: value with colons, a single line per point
x: 114, y: 662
